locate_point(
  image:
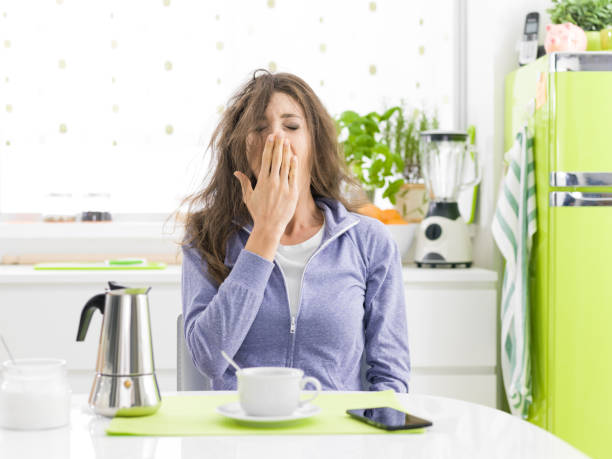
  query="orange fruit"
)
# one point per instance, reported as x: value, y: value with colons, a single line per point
x: 396, y: 221
x: 389, y: 214
x: 370, y: 210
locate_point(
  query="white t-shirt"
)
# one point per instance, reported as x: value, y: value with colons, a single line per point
x: 293, y: 259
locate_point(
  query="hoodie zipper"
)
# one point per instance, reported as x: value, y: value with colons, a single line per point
x: 289, y: 356
x: 293, y: 325
x: 293, y: 319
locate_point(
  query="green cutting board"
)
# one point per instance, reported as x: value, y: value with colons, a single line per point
x: 97, y: 266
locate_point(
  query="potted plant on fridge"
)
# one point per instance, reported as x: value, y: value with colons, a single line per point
x: 592, y: 16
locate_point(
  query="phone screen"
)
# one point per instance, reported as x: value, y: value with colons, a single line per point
x: 531, y: 27
x: 389, y: 418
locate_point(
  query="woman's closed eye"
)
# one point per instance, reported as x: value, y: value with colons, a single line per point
x: 290, y: 127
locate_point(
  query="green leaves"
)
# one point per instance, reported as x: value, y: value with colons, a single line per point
x: 402, y: 135
x: 392, y: 189
x: 348, y: 117
x: 589, y: 15
x: 382, y: 149
x: 371, y: 160
x: 385, y: 116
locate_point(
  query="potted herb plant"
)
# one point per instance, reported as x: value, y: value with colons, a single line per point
x: 378, y: 165
x: 372, y: 160
x: 402, y: 135
x: 592, y: 16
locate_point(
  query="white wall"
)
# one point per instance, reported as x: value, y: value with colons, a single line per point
x: 493, y: 31
x: 153, y: 98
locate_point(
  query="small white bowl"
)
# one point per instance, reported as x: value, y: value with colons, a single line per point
x: 404, y: 236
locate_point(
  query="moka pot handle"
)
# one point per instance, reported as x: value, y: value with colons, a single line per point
x: 97, y: 302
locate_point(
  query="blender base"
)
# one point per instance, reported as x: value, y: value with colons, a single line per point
x: 443, y: 243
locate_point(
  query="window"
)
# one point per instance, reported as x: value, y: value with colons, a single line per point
x: 121, y: 97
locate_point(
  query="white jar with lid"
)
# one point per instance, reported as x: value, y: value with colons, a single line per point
x: 34, y: 394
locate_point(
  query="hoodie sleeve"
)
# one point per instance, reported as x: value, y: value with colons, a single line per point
x: 219, y: 318
x: 386, y: 334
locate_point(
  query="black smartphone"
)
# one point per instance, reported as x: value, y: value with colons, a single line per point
x: 388, y: 418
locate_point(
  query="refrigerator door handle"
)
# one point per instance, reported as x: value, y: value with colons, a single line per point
x: 578, y: 199
x: 580, y: 62
x: 581, y: 179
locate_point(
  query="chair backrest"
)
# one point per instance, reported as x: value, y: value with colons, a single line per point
x: 187, y: 375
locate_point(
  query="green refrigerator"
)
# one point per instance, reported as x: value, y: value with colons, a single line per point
x: 569, y: 97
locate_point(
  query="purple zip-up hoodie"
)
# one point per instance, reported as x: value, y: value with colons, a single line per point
x: 352, y: 302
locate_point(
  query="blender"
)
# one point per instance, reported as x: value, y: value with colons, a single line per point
x: 443, y: 239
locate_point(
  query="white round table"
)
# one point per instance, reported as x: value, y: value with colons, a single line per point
x: 460, y: 430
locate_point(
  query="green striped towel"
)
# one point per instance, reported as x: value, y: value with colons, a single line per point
x: 513, y: 227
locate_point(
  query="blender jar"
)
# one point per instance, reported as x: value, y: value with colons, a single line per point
x: 443, y: 158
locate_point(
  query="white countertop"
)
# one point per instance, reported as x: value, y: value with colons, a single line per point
x: 26, y: 274
x: 92, y: 230
x: 460, y: 430
x: 447, y: 275
x: 11, y: 274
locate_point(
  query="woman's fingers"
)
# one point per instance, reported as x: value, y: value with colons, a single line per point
x: 272, y: 202
x: 277, y: 157
x: 245, y: 184
x: 266, y: 157
x: 293, y: 172
x: 284, y: 172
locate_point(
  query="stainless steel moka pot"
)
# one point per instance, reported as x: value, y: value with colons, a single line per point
x: 125, y: 382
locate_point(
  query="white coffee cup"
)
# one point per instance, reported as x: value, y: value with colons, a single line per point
x: 273, y: 391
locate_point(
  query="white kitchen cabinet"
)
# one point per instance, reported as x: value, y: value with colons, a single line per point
x: 452, y: 317
x: 451, y: 322
x: 40, y: 311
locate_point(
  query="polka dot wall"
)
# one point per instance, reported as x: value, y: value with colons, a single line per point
x: 97, y: 90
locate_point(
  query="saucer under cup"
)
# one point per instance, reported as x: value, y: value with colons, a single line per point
x: 234, y: 411
x: 273, y: 391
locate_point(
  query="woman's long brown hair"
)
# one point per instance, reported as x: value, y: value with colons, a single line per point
x: 212, y: 210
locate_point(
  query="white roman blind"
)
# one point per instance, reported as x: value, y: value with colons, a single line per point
x: 122, y: 96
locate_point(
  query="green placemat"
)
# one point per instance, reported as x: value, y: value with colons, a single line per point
x: 195, y: 415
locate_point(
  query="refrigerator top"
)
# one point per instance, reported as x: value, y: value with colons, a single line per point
x: 590, y: 61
